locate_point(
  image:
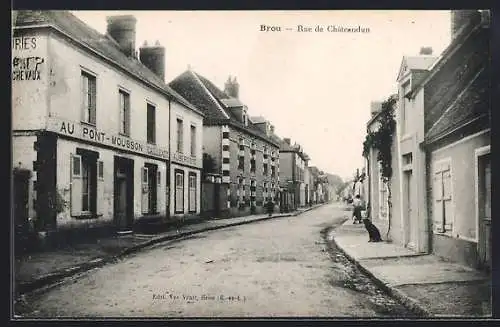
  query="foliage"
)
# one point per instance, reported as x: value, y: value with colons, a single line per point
x: 381, y: 139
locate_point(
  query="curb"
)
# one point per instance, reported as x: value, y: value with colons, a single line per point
x: 406, y: 300
x: 53, y: 278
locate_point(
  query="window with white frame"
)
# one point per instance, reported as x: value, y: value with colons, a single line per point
x: 88, y: 97
x: 193, y: 141
x: 124, y: 112
x: 179, y: 191
x: 192, y: 192
x: 442, y: 197
x: 180, y: 135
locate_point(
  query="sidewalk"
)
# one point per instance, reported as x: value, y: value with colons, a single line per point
x: 425, y: 283
x: 45, y: 268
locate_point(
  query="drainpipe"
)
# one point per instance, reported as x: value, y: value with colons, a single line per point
x: 169, y: 160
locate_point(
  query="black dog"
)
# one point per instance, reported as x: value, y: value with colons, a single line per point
x: 372, y: 231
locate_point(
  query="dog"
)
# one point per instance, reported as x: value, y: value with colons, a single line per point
x: 373, y: 231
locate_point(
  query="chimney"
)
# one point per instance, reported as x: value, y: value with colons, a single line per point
x: 231, y: 87
x: 460, y: 18
x: 287, y: 140
x: 122, y: 30
x: 153, y: 57
x: 427, y: 51
x: 271, y: 129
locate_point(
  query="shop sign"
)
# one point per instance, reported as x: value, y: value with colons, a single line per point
x: 91, y: 134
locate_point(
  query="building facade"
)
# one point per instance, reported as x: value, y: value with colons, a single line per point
x: 91, y: 125
x: 292, y: 175
x: 457, y: 143
x: 242, y: 148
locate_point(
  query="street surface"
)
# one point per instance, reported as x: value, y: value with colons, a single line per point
x: 274, y: 268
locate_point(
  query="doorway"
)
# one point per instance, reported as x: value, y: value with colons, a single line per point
x: 484, y: 210
x: 21, y: 207
x: 123, y: 193
x: 410, y: 221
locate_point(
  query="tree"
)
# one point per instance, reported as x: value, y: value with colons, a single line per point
x: 381, y: 139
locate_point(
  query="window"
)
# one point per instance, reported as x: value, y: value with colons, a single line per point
x: 151, y: 124
x: 442, y: 196
x: 252, y: 165
x: 87, y: 184
x: 405, y: 107
x: 179, y: 191
x: 193, y: 141
x: 88, y: 98
x: 180, y: 135
x: 192, y: 192
x: 241, y: 163
x: 273, y: 171
x: 124, y: 113
x: 383, y: 205
x: 265, y: 169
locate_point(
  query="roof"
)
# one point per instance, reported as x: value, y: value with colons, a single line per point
x: 213, y: 102
x: 409, y: 63
x: 472, y: 103
x: 232, y: 102
x: 258, y: 119
x: 103, y: 45
x: 467, y: 31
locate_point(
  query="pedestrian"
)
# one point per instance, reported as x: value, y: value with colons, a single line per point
x: 357, y: 207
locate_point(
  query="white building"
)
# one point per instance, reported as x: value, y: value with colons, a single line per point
x: 91, y: 126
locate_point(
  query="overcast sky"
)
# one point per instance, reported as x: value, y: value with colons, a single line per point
x: 316, y: 87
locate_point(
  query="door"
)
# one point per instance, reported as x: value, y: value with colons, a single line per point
x: 484, y: 203
x: 123, y: 196
x: 411, y: 227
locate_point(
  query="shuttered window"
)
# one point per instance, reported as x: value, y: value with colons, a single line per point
x: 179, y: 192
x: 88, y: 97
x: 442, y: 197
x: 192, y: 192
x: 87, y: 185
x: 124, y: 112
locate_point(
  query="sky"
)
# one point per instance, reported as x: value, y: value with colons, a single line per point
x: 314, y: 87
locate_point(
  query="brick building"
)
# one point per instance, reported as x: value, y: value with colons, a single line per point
x: 91, y: 127
x: 242, y: 148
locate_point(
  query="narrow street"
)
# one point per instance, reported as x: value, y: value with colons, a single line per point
x: 281, y: 267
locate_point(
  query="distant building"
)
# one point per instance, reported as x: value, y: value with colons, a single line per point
x: 244, y: 152
x: 293, y: 163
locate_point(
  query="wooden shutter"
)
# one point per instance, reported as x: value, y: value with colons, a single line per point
x: 100, y: 188
x: 447, y: 201
x: 76, y: 185
x: 192, y: 193
x: 437, y: 196
x: 144, y: 190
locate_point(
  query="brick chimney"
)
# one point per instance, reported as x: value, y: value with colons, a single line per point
x: 232, y: 87
x: 153, y: 57
x: 122, y: 30
x: 427, y: 51
x: 460, y: 18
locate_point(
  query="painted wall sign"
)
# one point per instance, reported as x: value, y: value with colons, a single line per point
x: 89, y: 133
x: 27, y: 67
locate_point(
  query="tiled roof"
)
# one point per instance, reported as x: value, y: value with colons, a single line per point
x: 211, y: 100
x: 473, y: 103
x: 103, y: 45
x: 258, y: 119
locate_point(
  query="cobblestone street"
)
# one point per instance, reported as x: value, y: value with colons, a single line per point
x: 282, y: 267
